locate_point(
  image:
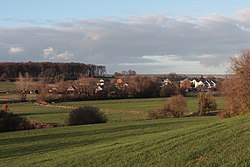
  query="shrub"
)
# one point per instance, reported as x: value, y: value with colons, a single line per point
x: 207, y: 103
x: 86, y: 115
x: 175, y: 105
x: 12, y: 122
x: 231, y: 109
x: 157, y: 114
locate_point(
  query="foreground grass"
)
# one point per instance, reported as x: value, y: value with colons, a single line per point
x: 203, y: 141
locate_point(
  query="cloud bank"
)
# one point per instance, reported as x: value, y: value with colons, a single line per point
x: 149, y: 44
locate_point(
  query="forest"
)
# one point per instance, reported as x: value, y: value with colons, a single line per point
x: 56, y: 71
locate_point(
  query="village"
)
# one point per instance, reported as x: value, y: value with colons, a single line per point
x: 121, y: 86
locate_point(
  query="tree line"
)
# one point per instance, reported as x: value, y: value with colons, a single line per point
x: 53, y: 71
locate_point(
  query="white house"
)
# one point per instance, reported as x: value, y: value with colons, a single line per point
x: 98, y: 89
x: 101, y: 82
x: 194, y: 82
x: 200, y: 83
x: 166, y: 82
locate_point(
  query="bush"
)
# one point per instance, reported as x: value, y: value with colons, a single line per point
x: 231, y: 109
x: 207, y: 103
x: 175, y: 105
x: 86, y: 115
x: 12, y: 122
x: 159, y: 114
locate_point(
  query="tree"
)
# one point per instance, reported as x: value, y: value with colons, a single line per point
x: 131, y: 72
x: 43, y: 89
x: 62, y: 86
x: 236, y: 88
x: 207, y: 103
x: 174, y: 77
x: 4, y: 77
x: 140, y: 86
x: 52, y: 71
x: 185, y: 85
x: 169, y: 90
x: 23, y: 84
x: 85, y: 86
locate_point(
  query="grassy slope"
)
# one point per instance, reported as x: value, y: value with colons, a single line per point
x: 128, y: 139
x: 205, y: 141
x: 116, y: 110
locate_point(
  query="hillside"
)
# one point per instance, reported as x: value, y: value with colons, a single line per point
x: 204, y: 141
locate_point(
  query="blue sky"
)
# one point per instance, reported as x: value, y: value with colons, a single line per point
x: 153, y: 36
x: 82, y: 9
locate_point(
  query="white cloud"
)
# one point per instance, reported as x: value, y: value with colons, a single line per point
x: 15, y: 50
x: 50, y: 53
x: 206, y: 56
x: 65, y: 55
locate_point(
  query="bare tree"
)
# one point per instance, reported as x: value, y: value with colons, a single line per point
x: 236, y: 88
x: 85, y: 86
x: 43, y: 90
x: 23, y: 84
x: 140, y: 86
x: 62, y: 86
x: 184, y: 86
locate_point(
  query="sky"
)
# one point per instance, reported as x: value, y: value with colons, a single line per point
x: 150, y: 37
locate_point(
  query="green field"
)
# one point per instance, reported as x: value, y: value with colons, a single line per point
x: 116, y: 110
x: 8, y: 86
x: 128, y: 139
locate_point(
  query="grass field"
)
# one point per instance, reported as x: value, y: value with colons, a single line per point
x: 128, y: 139
x: 8, y: 86
x: 204, y: 141
x: 116, y: 110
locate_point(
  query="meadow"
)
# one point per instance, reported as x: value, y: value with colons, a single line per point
x: 117, y: 110
x: 128, y: 139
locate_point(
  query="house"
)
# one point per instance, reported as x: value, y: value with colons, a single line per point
x: 119, y: 81
x: 207, y: 84
x: 101, y: 82
x: 194, y: 83
x: 120, y: 84
x: 53, y: 90
x: 213, y: 84
x: 72, y: 89
x: 98, y: 88
x: 34, y: 92
x: 200, y: 83
x: 166, y: 82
